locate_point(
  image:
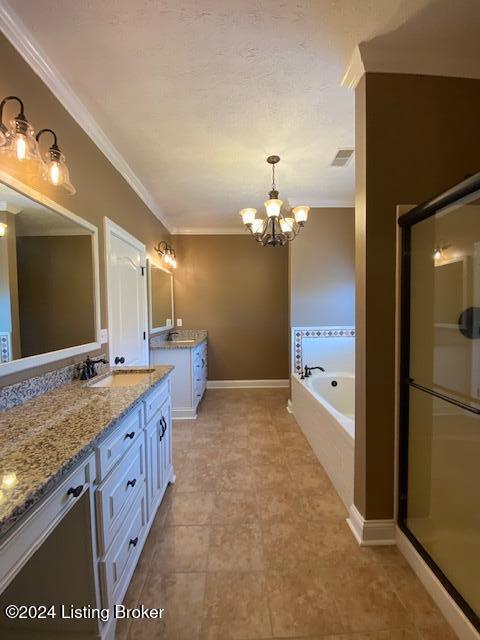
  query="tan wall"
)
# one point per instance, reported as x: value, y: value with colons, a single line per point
x: 55, y: 290
x: 413, y: 139
x: 238, y: 291
x: 322, y: 270
x: 101, y: 191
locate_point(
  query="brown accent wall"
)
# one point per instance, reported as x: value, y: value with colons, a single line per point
x: 238, y: 291
x: 322, y: 270
x: 101, y: 190
x: 413, y: 139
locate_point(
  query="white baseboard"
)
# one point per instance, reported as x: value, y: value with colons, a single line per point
x: 290, y: 406
x: 247, y: 384
x: 371, y: 532
x: 184, y: 414
x: 447, y: 605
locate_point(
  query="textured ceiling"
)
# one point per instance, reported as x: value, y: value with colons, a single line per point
x: 195, y: 94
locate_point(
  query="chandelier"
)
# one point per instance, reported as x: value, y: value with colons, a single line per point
x: 275, y: 229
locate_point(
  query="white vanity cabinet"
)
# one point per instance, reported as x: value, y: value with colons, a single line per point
x: 189, y: 378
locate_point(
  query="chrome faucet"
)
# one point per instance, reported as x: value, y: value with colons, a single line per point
x: 170, y: 335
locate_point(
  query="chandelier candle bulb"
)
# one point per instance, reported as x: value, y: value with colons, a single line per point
x: 257, y: 225
x: 287, y: 224
x: 273, y: 208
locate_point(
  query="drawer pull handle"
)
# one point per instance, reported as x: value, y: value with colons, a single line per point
x: 164, y: 427
x: 133, y: 542
x: 132, y: 483
x: 75, y: 491
x: 130, y: 435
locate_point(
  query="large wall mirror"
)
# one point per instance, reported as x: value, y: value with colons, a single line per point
x: 49, y: 303
x: 160, y: 288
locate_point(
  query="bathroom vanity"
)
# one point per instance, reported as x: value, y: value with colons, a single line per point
x: 187, y: 352
x: 84, y: 468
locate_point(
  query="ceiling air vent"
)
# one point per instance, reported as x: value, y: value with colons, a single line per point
x: 342, y: 157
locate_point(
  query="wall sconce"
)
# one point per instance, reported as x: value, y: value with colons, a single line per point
x: 3, y: 228
x: 168, y: 254
x: 18, y: 140
x: 56, y: 171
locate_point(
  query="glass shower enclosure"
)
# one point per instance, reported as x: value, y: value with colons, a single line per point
x: 439, y: 496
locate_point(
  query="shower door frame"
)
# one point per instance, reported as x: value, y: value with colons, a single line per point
x: 455, y: 195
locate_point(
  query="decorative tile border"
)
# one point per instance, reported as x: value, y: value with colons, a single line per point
x: 298, y: 333
x: 5, y: 347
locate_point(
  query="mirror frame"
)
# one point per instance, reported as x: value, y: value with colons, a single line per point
x: 153, y: 265
x: 53, y: 356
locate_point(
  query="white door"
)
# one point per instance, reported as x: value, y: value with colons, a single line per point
x: 127, y: 297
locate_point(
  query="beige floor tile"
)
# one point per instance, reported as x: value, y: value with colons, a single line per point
x: 278, y: 505
x: 181, y: 549
x: 236, y: 478
x: 301, y: 605
x: 196, y: 479
x: 414, y: 597
x: 325, y: 506
x: 300, y: 456
x: 287, y: 546
x: 387, y: 634
x: 294, y: 440
x: 365, y: 598
x: 235, y: 548
x: 234, y: 508
x: 309, y: 478
x: 190, y: 508
x: 439, y: 631
x: 267, y: 454
x: 235, y: 607
x: 182, y: 597
x: 273, y: 476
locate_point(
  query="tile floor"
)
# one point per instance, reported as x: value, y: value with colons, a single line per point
x: 251, y: 542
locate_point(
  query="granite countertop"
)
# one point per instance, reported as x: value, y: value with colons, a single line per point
x: 186, y: 339
x: 42, y: 439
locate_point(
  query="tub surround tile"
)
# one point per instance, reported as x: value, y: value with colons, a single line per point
x: 43, y: 438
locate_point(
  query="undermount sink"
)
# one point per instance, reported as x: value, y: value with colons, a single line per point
x: 123, y: 379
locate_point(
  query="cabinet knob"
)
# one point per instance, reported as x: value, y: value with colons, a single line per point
x: 119, y: 360
x: 75, y: 491
x: 133, y: 542
x: 130, y: 435
x: 132, y: 483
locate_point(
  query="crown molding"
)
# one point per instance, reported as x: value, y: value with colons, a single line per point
x: 209, y: 231
x: 354, y: 71
x: 22, y: 39
x: 9, y: 208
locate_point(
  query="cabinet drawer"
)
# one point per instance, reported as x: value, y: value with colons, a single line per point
x: 117, y: 493
x: 112, y: 448
x: 155, y: 399
x: 123, y: 554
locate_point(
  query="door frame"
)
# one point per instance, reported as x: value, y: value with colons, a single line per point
x: 113, y: 229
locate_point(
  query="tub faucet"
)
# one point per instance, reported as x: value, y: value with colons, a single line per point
x: 308, y: 371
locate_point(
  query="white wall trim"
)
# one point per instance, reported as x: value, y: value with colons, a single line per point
x: 290, y: 406
x: 371, y: 532
x: 447, y: 605
x: 247, y: 384
x: 184, y: 414
x: 24, y: 42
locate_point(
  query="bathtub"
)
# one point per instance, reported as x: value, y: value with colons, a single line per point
x: 323, y: 406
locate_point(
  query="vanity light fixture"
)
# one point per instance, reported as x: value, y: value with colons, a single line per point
x: 168, y: 254
x: 56, y: 171
x: 18, y: 138
x: 275, y: 230
x: 3, y: 228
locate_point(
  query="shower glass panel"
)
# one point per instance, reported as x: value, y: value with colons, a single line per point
x: 440, y: 440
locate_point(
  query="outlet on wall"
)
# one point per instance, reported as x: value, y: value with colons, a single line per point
x: 179, y: 322
x: 103, y: 336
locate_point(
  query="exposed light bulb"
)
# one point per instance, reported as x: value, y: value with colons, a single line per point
x: 21, y: 146
x: 9, y: 480
x: 438, y: 253
x: 54, y: 173
x: 3, y: 228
